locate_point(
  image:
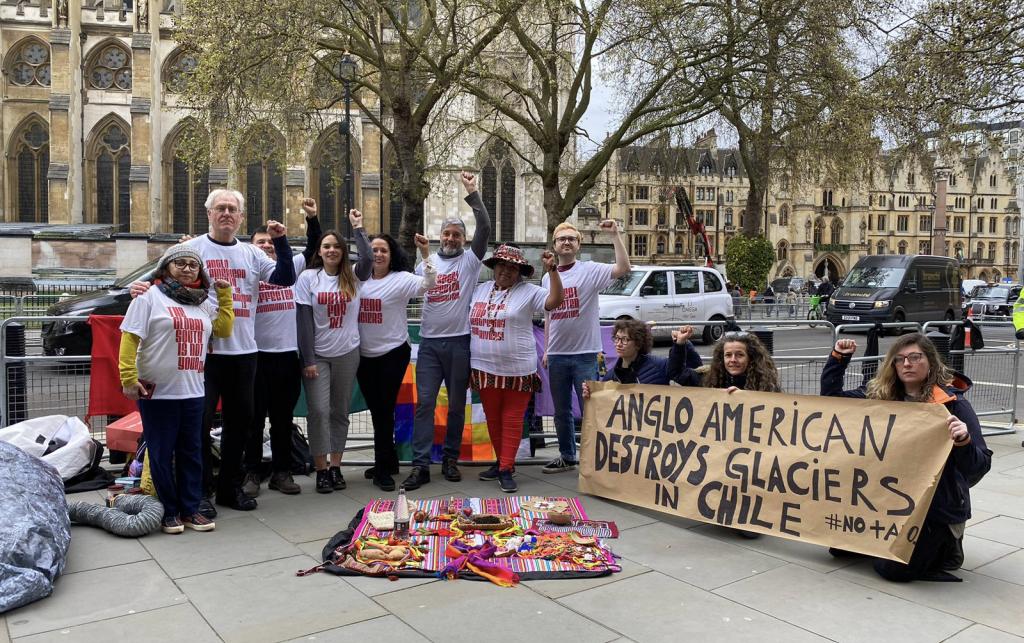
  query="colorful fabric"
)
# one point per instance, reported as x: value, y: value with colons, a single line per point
x: 479, y: 380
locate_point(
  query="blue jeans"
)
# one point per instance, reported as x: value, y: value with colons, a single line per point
x: 172, y: 430
x: 440, y: 359
x: 567, y: 373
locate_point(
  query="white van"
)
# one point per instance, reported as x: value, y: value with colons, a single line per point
x: 670, y: 295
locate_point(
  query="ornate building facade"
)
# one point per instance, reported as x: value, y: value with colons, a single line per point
x: 92, y: 133
x: 815, y: 229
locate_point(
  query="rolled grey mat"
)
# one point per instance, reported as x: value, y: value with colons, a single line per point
x: 131, y: 516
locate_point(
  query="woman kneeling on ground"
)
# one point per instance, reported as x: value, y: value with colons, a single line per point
x: 912, y: 371
x: 164, y: 337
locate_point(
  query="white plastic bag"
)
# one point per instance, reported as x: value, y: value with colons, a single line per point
x: 61, y: 441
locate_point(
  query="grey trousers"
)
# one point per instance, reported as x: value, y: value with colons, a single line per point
x: 328, y: 397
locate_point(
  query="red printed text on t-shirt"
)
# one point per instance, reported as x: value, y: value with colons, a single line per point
x: 371, y: 311
x: 483, y: 322
x: 336, y: 304
x: 570, y: 307
x: 446, y: 288
x: 188, y: 335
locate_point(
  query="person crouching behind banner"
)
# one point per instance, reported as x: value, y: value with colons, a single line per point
x: 739, y: 362
x: 912, y: 371
x: 164, y: 337
x: 502, y: 350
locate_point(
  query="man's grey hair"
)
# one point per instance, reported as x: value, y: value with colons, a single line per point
x: 220, y: 192
x: 454, y: 221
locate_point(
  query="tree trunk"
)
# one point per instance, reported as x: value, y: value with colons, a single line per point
x: 753, y: 216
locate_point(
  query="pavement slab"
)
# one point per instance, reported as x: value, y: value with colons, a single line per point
x: 268, y: 602
x: 93, y: 548
x: 661, y: 608
x: 95, y: 595
x: 826, y: 605
x: 176, y: 624
x: 1009, y: 568
x: 692, y: 557
x: 384, y: 628
x: 557, y: 588
x: 808, y: 555
x: 475, y: 611
x: 982, y: 634
x: 1002, y: 529
x: 980, y: 551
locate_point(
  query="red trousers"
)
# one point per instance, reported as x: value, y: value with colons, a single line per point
x: 504, y: 410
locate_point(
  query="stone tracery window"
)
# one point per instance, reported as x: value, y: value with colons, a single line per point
x: 179, y: 70
x: 264, y: 181
x: 31, y: 64
x: 499, y: 190
x: 329, y: 177
x: 111, y: 69
x: 111, y: 163
x: 30, y: 162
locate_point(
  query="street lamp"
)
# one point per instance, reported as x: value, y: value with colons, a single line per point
x: 347, y: 71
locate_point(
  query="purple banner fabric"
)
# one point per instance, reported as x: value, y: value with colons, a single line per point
x: 543, y: 406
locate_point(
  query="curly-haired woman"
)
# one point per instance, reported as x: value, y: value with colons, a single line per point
x: 912, y: 371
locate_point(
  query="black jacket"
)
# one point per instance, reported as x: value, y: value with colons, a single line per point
x: 650, y: 369
x: 966, y: 465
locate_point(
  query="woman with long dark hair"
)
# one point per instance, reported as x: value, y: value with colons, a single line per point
x: 327, y: 307
x: 912, y: 371
x: 384, y: 343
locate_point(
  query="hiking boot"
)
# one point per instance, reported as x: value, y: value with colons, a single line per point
x: 172, y: 525
x: 505, y: 481
x: 450, y: 470
x: 369, y: 473
x: 337, y: 480
x: 385, y: 482
x: 323, y: 482
x: 492, y: 474
x: 207, y: 509
x: 418, y: 477
x: 251, y: 486
x: 199, y: 522
x: 237, y: 501
x: 558, y: 465
x: 282, y: 481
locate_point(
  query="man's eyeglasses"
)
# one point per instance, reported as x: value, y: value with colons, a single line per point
x: 909, y: 358
x: 567, y: 239
x: 619, y: 339
x: 185, y: 264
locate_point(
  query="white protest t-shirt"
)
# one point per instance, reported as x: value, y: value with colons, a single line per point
x: 275, y: 315
x: 383, y: 320
x: 575, y: 327
x: 335, y: 331
x: 172, y: 353
x: 446, y: 304
x: 243, y: 265
x: 501, y: 328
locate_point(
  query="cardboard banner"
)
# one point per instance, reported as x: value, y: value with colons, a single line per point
x: 839, y: 472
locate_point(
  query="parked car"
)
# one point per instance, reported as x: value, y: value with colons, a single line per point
x: 782, y: 285
x: 995, y: 300
x: 673, y: 295
x: 75, y: 337
x: 897, y: 288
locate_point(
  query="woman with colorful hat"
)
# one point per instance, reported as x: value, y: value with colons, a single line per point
x: 164, y: 337
x: 503, y: 354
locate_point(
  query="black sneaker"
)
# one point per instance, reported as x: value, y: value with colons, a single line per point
x: 323, y: 482
x: 385, y: 482
x: 238, y: 501
x: 450, y: 470
x: 492, y: 474
x: 418, y: 477
x: 558, y: 465
x: 337, y: 480
x: 207, y: 509
x: 505, y: 481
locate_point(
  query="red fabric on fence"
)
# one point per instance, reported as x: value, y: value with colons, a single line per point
x: 105, y: 396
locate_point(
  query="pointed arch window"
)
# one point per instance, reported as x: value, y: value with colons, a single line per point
x: 837, y: 232
x: 31, y: 64
x: 819, y: 231
x: 499, y: 190
x: 880, y: 248
x: 903, y: 247
x: 189, y: 187
x: 179, y: 70
x: 784, y: 215
x: 111, y: 69
x: 329, y: 178
x: 783, y: 250
x: 264, y: 181
x: 31, y: 159
x: 111, y: 162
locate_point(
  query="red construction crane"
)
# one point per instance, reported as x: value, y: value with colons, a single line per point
x: 696, y: 227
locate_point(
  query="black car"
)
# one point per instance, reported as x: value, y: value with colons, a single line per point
x: 75, y: 337
x: 995, y: 300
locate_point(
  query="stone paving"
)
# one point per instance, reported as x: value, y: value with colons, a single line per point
x: 680, y: 580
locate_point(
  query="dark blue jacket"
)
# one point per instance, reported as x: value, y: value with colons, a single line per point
x: 651, y: 369
x: 966, y: 465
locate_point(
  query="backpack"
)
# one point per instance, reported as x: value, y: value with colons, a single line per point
x: 302, y: 459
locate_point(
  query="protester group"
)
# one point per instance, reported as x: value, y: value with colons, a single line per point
x: 237, y: 328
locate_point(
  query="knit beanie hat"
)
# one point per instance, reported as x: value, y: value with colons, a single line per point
x: 180, y: 251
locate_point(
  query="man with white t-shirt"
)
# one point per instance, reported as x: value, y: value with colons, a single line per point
x: 443, y: 354
x: 573, y: 330
x: 278, y: 369
x: 230, y: 370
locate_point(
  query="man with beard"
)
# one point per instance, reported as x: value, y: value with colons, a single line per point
x: 444, y: 345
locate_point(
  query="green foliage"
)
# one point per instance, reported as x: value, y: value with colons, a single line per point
x: 748, y: 260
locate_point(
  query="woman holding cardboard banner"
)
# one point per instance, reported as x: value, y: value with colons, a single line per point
x: 912, y: 371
